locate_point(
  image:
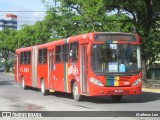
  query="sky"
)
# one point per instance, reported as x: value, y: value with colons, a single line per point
x: 11, y: 6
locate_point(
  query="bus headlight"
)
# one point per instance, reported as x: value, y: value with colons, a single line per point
x: 96, y: 82
x: 137, y: 82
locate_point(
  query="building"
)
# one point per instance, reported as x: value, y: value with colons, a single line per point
x: 10, y: 21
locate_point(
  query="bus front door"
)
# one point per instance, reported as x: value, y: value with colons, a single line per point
x: 83, y: 69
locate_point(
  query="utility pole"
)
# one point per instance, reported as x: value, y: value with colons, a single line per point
x: 118, y: 20
x: 55, y: 2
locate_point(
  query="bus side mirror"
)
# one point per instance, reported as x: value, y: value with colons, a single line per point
x: 89, y: 49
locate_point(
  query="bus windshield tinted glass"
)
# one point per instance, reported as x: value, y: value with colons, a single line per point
x: 115, y: 37
x: 115, y: 58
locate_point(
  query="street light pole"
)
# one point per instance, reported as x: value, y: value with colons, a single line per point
x: 118, y: 20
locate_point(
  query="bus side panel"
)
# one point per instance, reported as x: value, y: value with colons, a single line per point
x: 59, y: 77
x: 45, y: 75
x: 30, y: 77
x: 27, y: 74
x: 73, y: 73
x: 42, y: 73
x: 22, y: 73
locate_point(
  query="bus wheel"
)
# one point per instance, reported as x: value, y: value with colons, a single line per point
x: 116, y: 98
x: 23, y: 84
x: 43, y: 88
x: 76, y: 95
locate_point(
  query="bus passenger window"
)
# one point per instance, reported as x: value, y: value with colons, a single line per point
x: 52, y: 64
x: 42, y: 56
x: 58, y: 54
x: 65, y: 50
x: 28, y: 57
x: 25, y: 58
x: 21, y: 58
x: 73, y: 52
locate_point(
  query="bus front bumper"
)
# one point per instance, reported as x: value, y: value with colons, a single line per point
x: 103, y: 91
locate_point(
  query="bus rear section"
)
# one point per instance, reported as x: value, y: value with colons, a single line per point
x: 22, y: 66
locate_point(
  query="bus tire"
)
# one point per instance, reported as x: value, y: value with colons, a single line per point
x: 43, y: 88
x: 76, y: 95
x: 23, y: 83
x: 116, y: 98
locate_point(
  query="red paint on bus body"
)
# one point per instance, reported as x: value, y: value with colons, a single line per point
x: 59, y: 76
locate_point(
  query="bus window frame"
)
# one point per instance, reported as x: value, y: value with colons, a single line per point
x: 60, y: 56
x: 65, y: 53
x: 29, y: 57
x: 77, y: 52
x: 24, y: 58
x: 40, y: 62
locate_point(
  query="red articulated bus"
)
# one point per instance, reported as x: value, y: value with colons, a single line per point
x: 92, y: 64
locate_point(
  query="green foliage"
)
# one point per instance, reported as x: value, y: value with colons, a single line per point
x: 151, y: 46
x: 7, y: 39
x: 144, y: 15
x: 32, y: 35
x: 7, y: 46
x: 11, y: 39
x: 64, y: 23
x: 78, y: 17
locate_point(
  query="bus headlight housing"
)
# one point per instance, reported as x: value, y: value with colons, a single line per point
x: 96, y: 82
x: 137, y: 82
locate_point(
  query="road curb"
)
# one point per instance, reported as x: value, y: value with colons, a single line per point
x: 7, y: 73
x: 151, y: 90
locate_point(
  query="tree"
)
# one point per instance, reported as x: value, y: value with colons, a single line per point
x: 42, y: 32
x: 25, y: 36
x: 32, y: 35
x: 69, y: 20
x: 7, y: 46
x: 143, y: 14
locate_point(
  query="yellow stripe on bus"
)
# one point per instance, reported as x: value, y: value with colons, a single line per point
x: 67, y: 76
x: 116, y: 81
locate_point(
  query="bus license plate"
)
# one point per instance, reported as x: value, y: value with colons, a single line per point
x: 118, y: 91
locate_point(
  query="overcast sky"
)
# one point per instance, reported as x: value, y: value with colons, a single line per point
x: 23, y: 5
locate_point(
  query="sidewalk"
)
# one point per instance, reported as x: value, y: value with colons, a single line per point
x: 151, y: 90
x: 151, y: 86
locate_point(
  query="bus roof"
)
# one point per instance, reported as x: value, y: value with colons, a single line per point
x: 70, y: 39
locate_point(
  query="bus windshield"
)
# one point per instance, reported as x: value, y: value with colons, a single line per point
x: 115, y: 58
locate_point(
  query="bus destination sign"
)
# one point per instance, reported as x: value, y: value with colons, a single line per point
x: 115, y: 37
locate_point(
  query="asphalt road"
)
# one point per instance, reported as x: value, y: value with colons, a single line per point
x: 14, y: 98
